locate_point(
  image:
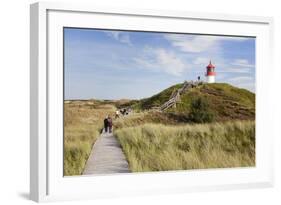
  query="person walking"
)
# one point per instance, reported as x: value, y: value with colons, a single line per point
x: 109, y: 119
x: 105, y: 123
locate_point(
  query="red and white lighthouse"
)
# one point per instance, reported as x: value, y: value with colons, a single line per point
x: 210, y: 74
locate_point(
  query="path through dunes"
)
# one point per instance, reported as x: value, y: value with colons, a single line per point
x: 106, y: 157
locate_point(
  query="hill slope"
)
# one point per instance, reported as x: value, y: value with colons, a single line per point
x: 225, y: 101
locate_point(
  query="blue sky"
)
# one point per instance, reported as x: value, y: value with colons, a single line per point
x: 107, y: 64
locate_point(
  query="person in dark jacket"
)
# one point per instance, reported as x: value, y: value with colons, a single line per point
x: 105, y: 122
x: 109, y: 119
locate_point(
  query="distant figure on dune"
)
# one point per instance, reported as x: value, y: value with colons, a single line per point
x: 109, y: 124
x: 117, y: 113
x: 105, y: 123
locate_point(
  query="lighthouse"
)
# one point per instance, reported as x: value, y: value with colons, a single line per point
x: 210, y: 74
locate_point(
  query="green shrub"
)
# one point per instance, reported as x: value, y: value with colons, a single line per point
x: 200, y: 111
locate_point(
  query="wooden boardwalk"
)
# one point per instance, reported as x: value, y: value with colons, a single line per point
x: 106, y: 157
x: 175, y: 97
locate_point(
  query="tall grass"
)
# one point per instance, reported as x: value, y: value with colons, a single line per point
x: 156, y: 147
x: 82, y: 124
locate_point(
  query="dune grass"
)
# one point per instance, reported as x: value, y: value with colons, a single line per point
x: 82, y: 124
x: 156, y: 147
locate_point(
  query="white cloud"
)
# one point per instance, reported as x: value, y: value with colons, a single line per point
x: 170, y: 62
x: 233, y: 69
x: 201, y: 61
x: 161, y: 60
x: 247, y: 82
x: 242, y: 79
x: 197, y: 43
x: 119, y: 36
x: 242, y: 63
x: 192, y: 44
x: 241, y: 66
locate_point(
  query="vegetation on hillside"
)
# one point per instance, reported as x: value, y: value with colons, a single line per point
x: 200, y: 111
x: 155, y: 100
x: 225, y: 101
x: 155, y: 147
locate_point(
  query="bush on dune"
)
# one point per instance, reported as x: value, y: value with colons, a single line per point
x: 200, y: 111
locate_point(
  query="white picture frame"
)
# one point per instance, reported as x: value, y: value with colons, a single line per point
x: 47, y: 182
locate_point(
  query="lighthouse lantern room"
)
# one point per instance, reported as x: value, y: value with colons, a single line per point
x: 210, y: 74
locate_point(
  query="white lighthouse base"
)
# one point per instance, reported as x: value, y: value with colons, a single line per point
x: 211, y: 79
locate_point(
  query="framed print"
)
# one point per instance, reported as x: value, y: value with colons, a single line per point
x: 127, y: 102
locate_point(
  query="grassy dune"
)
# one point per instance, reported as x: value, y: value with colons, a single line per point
x: 156, y: 147
x: 225, y: 101
x: 82, y: 124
